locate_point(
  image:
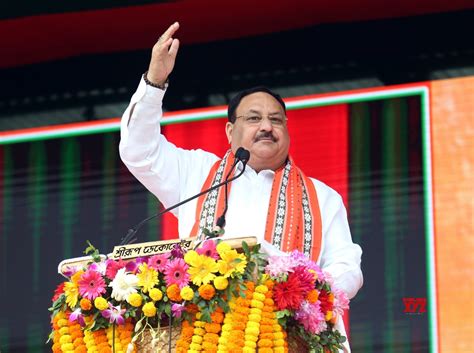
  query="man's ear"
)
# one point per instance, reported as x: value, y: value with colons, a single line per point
x: 229, y: 127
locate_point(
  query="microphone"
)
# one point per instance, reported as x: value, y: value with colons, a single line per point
x: 241, y: 155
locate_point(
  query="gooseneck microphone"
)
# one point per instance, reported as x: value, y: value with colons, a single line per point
x: 241, y: 155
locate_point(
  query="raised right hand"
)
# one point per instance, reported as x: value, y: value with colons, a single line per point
x: 163, y: 56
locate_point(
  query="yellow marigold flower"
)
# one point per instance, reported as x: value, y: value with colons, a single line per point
x: 155, y: 294
x: 100, y: 303
x: 223, y: 247
x: 147, y: 277
x: 196, y: 339
x: 63, y: 322
x: 253, y: 324
x: 135, y: 300
x: 199, y: 324
x: 255, y: 317
x: 221, y: 283
x: 328, y: 315
x: 255, y: 311
x: 187, y: 293
x: 149, y: 309
x: 256, y: 304
x: 201, y: 268
x: 251, y: 331
x: 259, y: 296
x: 278, y: 343
x: 261, y: 289
x: 232, y: 263
x: 251, y: 344
x: 67, y: 347
x: 195, y: 346
x: 278, y: 335
x: 251, y: 334
x: 71, y: 290
x: 65, y: 339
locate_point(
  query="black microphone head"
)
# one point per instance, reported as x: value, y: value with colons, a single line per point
x: 242, y: 154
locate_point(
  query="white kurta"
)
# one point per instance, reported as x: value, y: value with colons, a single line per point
x: 174, y: 174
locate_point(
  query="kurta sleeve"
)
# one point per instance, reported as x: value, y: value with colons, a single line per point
x: 340, y: 257
x: 159, y: 165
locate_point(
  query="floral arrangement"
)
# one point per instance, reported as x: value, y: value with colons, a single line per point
x: 216, y: 298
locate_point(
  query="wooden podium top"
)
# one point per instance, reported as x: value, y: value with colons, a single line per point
x: 131, y: 251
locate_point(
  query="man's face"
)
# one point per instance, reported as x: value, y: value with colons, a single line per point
x: 260, y: 127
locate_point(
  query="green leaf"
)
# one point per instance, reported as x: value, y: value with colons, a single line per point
x: 245, y: 248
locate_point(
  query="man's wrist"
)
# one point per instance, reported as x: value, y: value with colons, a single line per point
x: 152, y: 84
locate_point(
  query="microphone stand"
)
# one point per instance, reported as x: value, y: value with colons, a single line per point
x: 130, y: 236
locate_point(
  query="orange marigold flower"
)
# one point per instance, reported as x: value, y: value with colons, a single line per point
x: 76, y: 335
x: 265, y: 350
x: 236, y: 335
x: 250, y: 286
x: 125, y: 334
x: 264, y: 343
x: 266, y: 329
x: 85, y: 304
x: 212, y: 328
x: 217, y: 317
x: 268, y: 301
x: 266, y: 321
x: 211, y: 338
x: 105, y: 349
x: 206, y: 291
x: 173, y: 292
x: 269, y: 283
x: 238, y: 325
x: 81, y: 349
x: 313, y: 296
x: 57, y: 348
x: 267, y: 336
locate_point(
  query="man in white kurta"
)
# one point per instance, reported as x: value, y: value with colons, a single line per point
x: 174, y: 174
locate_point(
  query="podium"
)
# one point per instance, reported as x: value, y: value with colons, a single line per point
x: 193, y: 296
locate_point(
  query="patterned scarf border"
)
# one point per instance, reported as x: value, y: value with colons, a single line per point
x: 293, y: 219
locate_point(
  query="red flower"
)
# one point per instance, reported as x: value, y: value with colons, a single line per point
x: 288, y: 295
x: 325, y: 304
x: 57, y: 293
x: 113, y: 266
x: 304, y: 278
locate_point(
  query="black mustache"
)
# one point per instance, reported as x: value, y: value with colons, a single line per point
x: 265, y: 135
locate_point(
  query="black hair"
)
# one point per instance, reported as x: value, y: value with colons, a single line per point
x: 235, y: 101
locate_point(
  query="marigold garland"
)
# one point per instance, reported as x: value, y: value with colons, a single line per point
x: 250, y: 325
x: 211, y: 337
x: 198, y: 334
x: 187, y: 330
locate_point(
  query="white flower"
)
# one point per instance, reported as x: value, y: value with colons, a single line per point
x: 123, y: 285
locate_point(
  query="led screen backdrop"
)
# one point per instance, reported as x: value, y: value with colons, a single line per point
x: 60, y: 187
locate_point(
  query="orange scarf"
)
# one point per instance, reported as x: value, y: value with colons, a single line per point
x: 293, y: 219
